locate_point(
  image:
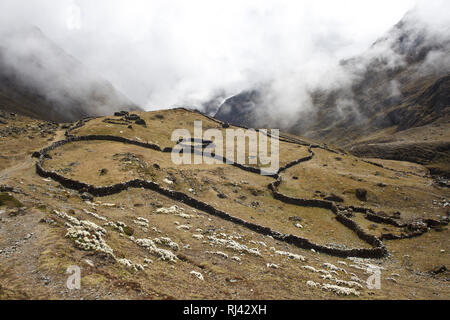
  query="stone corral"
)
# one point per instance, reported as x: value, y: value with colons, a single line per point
x: 378, y: 250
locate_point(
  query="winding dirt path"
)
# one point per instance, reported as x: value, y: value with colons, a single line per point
x: 28, y: 161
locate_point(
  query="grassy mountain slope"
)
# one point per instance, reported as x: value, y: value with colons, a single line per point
x: 37, y: 243
x: 39, y: 79
x: 401, y: 83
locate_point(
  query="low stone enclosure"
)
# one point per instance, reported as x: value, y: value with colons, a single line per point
x: 378, y: 251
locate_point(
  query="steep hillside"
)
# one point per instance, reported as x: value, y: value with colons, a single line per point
x: 39, y: 79
x: 105, y: 195
x: 240, y: 109
x: 401, y: 83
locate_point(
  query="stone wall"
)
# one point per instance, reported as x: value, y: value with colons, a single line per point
x: 379, y: 250
x: 197, y: 204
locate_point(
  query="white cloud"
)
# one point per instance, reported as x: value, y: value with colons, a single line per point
x: 178, y: 52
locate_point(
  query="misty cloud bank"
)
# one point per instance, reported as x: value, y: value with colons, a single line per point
x: 419, y: 44
x: 35, y: 66
x: 198, y: 53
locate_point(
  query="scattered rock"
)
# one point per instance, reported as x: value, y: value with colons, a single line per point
x: 361, y: 194
x: 132, y: 117
x: 392, y: 279
x: 103, y: 172
x: 418, y: 226
x: 197, y: 275
x: 382, y: 214
x: 439, y: 270
x: 87, y: 196
x: 89, y: 262
x: 16, y: 212
x: 45, y: 280
x: 141, y: 122
x: 255, y: 204
x: 48, y: 221
x: 334, y: 198
x: 348, y: 213
x: 167, y: 181
x: 4, y: 188
x: 396, y: 215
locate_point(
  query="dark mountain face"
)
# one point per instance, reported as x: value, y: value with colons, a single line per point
x: 396, y: 107
x: 39, y: 79
x: 239, y: 110
x: 398, y: 82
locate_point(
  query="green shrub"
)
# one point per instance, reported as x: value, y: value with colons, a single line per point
x: 128, y: 231
x: 9, y: 201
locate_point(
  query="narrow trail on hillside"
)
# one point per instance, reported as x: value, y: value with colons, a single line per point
x: 378, y: 251
x: 27, y: 162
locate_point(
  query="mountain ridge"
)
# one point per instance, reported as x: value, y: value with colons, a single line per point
x: 39, y: 79
x: 401, y: 82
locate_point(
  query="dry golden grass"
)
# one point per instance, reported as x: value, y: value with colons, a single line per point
x: 24, y: 140
x: 247, y: 197
x: 408, y: 193
x: 247, y: 194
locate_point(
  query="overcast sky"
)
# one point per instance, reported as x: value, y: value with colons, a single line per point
x: 164, y: 53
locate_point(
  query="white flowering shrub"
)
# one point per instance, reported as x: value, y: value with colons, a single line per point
x: 198, y: 236
x: 95, y: 215
x: 233, y: 245
x: 88, y: 240
x: 172, y: 210
x: 218, y: 253
x: 341, y: 291
x: 141, y: 223
x: 290, y: 255
x: 163, y: 254
x: 118, y: 226
x: 129, y: 265
x: 197, y: 275
x: 167, y: 242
